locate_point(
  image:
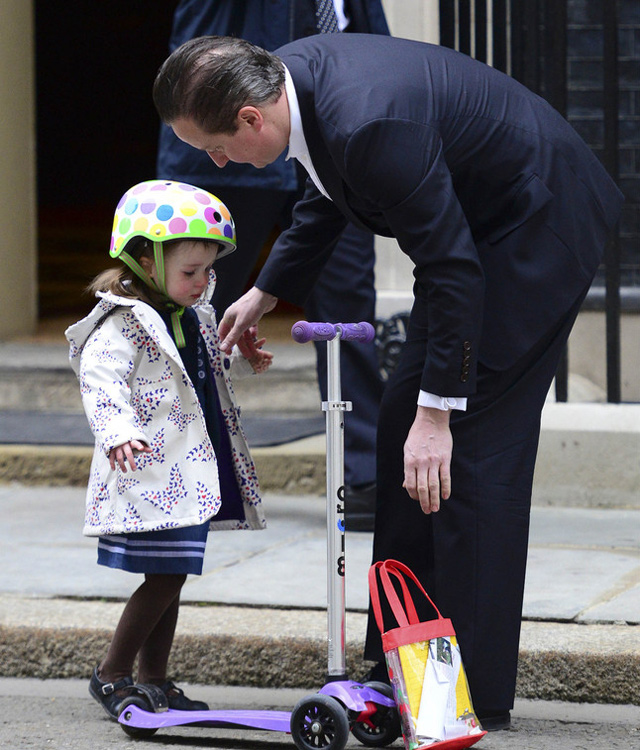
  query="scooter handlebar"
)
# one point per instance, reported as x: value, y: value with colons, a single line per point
x: 363, y: 332
x: 303, y: 331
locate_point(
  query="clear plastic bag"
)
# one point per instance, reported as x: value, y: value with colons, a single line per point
x: 425, y: 667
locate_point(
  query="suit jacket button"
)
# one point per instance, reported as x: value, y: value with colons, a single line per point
x: 464, y: 377
x: 467, y: 346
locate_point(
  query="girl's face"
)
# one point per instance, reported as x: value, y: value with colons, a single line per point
x: 187, y: 265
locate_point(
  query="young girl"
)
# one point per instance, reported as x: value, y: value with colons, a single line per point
x: 170, y: 453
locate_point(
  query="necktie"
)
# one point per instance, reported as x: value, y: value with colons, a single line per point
x: 326, y: 15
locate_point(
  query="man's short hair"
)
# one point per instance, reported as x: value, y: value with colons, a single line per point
x: 210, y: 78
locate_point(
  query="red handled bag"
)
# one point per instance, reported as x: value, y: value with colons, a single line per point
x: 425, y: 667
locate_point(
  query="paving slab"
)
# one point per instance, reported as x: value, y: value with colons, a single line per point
x: 580, y: 560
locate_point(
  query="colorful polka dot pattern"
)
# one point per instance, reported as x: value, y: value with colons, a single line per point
x: 168, y: 210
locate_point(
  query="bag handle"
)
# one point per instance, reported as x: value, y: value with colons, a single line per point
x: 404, y: 611
x: 393, y: 599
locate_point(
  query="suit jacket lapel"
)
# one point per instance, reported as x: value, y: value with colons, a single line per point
x: 319, y: 152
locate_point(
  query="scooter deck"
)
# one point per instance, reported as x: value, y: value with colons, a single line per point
x: 276, y: 721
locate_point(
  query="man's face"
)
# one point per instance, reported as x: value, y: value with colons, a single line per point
x: 255, y: 142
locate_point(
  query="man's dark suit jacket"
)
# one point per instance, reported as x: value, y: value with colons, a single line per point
x: 503, y: 209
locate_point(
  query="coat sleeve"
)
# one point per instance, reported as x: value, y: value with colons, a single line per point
x: 240, y: 367
x: 409, y: 183
x: 106, y: 365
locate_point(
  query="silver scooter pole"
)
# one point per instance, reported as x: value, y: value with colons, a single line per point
x: 334, y: 407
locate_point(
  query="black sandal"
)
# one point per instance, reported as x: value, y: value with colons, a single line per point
x: 179, y: 701
x: 106, y: 693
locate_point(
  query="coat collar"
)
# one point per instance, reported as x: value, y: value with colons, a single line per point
x: 149, y: 319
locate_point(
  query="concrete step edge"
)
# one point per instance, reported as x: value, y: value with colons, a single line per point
x: 264, y: 648
x: 299, y: 468
x: 59, y: 465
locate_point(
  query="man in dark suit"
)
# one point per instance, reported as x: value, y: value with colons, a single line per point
x: 262, y: 200
x: 505, y: 213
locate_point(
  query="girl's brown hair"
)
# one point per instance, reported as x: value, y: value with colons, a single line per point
x: 124, y: 282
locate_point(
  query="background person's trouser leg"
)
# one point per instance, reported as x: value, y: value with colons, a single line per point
x: 345, y: 293
x: 256, y: 214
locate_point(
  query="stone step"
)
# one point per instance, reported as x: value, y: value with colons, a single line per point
x: 40, y: 379
x: 589, y: 451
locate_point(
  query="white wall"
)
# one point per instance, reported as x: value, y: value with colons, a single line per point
x: 18, y: 229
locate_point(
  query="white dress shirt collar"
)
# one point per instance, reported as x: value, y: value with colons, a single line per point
x: 297, y: 144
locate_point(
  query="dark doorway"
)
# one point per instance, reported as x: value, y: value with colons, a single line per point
x: 97, y: 131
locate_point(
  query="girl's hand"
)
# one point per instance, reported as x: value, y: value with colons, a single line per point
x: 251, y: 349
x: 125, y: 452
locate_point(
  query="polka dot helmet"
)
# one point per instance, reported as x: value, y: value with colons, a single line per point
x: 162, y: 210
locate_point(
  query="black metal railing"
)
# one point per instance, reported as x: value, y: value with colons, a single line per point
x: 610, y: 159
x: 528, y: 40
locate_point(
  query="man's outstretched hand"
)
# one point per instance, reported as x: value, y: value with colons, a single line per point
x: 242, y: 314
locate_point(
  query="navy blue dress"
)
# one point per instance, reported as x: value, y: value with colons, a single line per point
x: 181, y: 551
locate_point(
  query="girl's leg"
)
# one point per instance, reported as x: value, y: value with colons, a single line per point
x: 153, y: 657
x: 158, y: 597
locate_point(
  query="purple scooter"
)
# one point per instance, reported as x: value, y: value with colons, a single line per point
x: 321, y: 721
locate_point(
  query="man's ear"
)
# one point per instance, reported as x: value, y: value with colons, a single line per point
x: 251, y: 116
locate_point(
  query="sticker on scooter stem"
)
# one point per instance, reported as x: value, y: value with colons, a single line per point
x: 341, y: 528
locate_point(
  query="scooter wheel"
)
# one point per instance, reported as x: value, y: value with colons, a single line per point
x: 138, y: 733
x: 386, y: 722
x: 319, y: 721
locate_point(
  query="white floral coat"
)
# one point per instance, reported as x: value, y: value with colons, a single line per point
x: 135, y: 387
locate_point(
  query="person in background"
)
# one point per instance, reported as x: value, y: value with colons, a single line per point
x: 262, y: 200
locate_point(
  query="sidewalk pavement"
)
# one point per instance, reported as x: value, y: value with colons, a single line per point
x: 257, y: 614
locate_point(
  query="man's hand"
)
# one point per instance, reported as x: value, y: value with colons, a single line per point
x: 427, y: 458
x: 242, y: 314
x: 125, y: 452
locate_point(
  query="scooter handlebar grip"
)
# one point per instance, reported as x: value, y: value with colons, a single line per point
x: 363, y: 332
x: 303, y: 331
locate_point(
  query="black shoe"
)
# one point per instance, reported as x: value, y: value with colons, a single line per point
x: 360, y: 506
x: 110, y: 694
x: 179, y: 701
x: 494, y: 721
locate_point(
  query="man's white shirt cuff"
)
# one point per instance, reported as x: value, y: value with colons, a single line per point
x: 444, y: 403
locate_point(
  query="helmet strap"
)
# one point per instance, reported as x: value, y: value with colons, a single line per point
x: 176, y: 315
x: 158, y: 256
x: 139, y: 270
x: 161, y: 287
x: 176, y: 324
